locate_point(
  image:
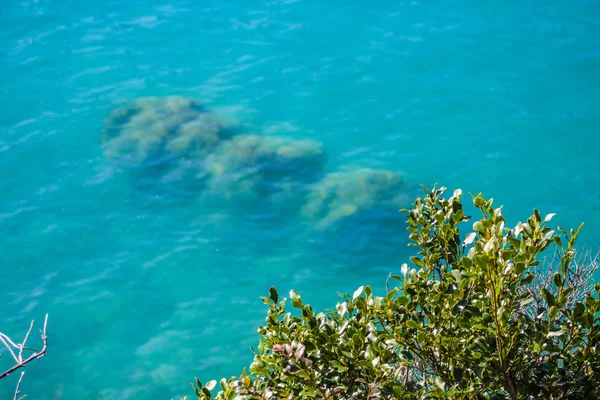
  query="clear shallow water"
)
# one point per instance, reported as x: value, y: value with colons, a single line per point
x: 146, y: 290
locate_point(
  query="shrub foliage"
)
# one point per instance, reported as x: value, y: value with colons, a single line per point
x: 462, y: 322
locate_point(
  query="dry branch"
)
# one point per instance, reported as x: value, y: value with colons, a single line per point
x: 18, y: 389
x: 16, y: 351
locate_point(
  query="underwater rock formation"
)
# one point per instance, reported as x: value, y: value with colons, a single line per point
x: 252, y: 166
x: 152, y: 130
x: 349, y: 193
x: 353, y: 217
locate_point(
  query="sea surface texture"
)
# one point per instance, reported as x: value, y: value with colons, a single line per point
x: 151, y: 274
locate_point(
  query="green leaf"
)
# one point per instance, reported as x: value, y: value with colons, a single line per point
x: 528, y: 278
x: 490, y: 245
x: 519, y: 268
x: 265, y: 300
x: 357, y: 292
x: 553, y: 334
x: 342, y: 308
x: 549, y: 217
x: 224, y: 384
x: 478, y: 201
x: 587, y: 320
x: 470, y: 238
x: 412, y: 324
x: 558, y: 280
x: 547, y: 296
x: 458, y: 216
x: 404, y: 269
x: 440, y: 383
x: 294, y: 296
x: 557, y: 241
x: 537, y: 215
x: 478, y: 226
x: 514, y: 242
x: 457, y: 275
x: 526, y: 301
x: 412, y: 275
x: 273, y: 294
x: 417, y: 261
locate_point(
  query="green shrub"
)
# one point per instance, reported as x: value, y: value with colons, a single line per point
x: 462, y: 323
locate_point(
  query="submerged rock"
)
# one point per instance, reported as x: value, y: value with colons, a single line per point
x: 153, y: 130
x: 343, y: 195
x: 353, y: 218
x: 253, y: 166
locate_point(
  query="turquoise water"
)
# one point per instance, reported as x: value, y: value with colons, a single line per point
x: 146, y: 289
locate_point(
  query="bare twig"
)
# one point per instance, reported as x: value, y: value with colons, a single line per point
x: 4, y: 339
x: 2, y: 335
x: 18, y: 357
x: 18, y: 389
x: 25, y: 340
x: 580, y: 275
